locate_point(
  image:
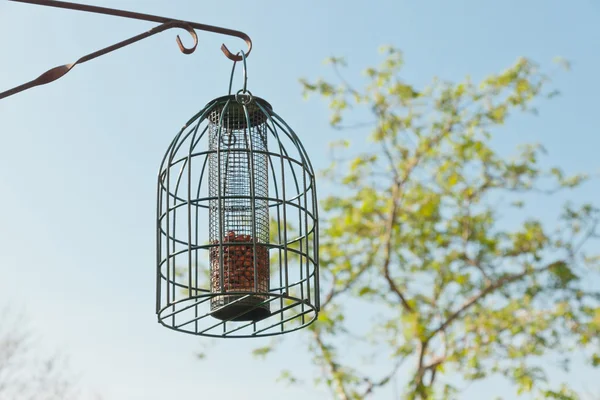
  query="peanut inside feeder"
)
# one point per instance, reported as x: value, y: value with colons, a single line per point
x: 239, y: 213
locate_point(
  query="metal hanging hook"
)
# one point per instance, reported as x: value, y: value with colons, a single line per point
x: 166, y: 23
x: 148, y: 17
x: 246, y: 95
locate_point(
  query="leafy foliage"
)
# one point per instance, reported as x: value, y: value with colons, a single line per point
x: 418, y: 232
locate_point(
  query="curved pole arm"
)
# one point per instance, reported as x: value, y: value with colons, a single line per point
x: 60, y: 71
x: 148, y: 17
x: 166, y: 23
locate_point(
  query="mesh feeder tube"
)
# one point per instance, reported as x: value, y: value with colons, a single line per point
x: 239, y: 211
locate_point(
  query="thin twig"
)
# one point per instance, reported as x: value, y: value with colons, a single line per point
x: 489, y: 289
x: 333, y: 369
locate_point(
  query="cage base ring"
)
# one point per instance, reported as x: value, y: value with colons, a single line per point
x: 193, y: 315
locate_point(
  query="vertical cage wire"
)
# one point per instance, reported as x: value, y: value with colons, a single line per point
x: 237, y: 225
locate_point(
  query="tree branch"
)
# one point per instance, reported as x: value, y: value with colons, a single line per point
x: 333, y: 369
x: 388, y: 249
x: 357, y: 125
x: 489, y: 289
x: 332, y: 293
x: 589, y: 234
x: 396, y: 196
x: 372, y: 385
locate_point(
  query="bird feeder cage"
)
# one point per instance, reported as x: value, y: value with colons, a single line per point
x: 237, y: 224
x: 237, y: 219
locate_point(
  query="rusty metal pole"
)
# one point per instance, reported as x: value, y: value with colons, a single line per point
x: 166, y: 23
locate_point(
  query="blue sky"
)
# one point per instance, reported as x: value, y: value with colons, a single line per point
x: 80, y: 156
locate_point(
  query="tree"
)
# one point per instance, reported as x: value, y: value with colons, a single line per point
x: 417, y: 236
x: 25, y: 376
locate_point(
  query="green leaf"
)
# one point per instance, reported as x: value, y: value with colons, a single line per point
x: 262, y: 351
x: 566, y: 65
x: 365, y: 290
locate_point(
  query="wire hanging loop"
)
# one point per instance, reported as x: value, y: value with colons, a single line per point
x: 231, y: 76
x: 243, y: 96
